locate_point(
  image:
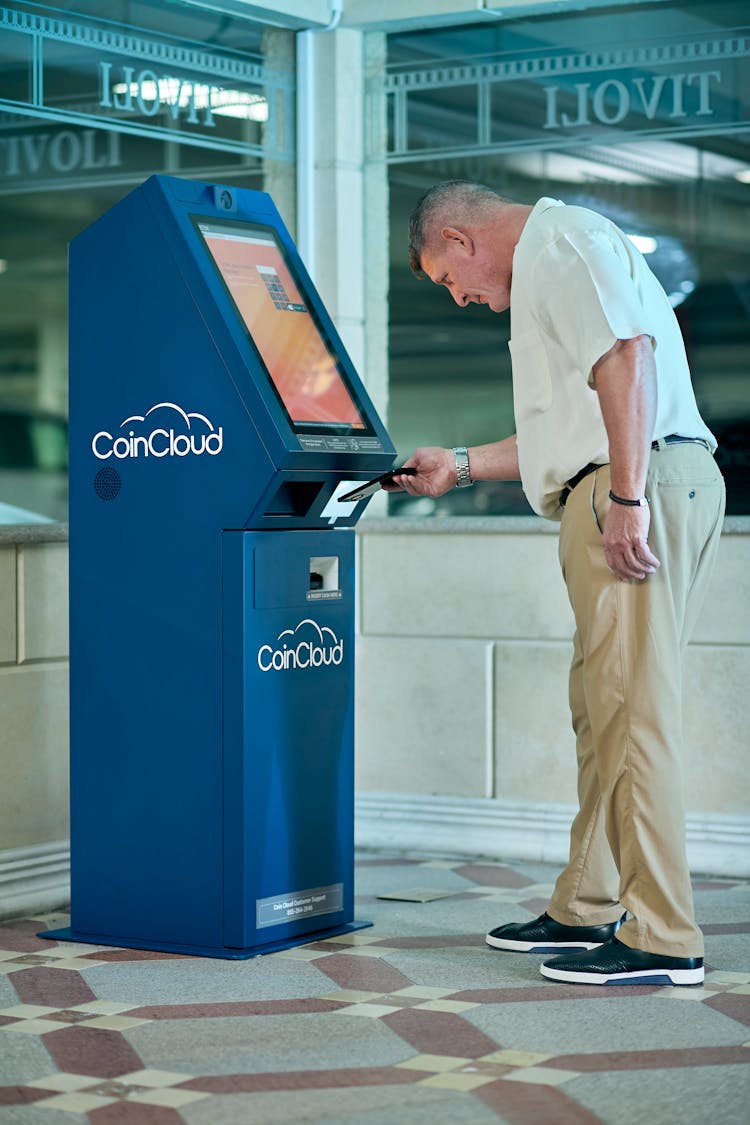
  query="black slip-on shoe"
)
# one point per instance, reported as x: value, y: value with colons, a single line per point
x: 616, y: 963
x: 545, y: 935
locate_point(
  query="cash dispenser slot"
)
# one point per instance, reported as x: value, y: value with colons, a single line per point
x: 294, y: 498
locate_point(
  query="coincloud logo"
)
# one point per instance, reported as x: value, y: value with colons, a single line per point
x: 170, y: 433
x: 305, y: 646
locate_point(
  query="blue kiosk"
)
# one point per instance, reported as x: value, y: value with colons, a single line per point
x: 216, y: 419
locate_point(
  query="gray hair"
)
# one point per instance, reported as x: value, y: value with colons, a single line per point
x: 464, y: 200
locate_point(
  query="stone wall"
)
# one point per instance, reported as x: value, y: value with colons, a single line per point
x: 34, y: 825
x: 463, y: 728
x: 463, y: 737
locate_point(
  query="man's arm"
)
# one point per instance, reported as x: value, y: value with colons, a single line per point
x: 436, y: 467
x: 625, y: 381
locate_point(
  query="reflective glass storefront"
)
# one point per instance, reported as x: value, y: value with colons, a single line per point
x: 642, y: 113
x: 90, y: 106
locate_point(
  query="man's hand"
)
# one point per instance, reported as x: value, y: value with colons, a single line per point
x: 626, y: 549
x: 436, y: 473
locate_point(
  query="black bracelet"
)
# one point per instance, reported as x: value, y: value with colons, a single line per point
x: 642, y: 503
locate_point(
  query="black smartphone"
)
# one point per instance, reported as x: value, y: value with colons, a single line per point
x: 368, y: 487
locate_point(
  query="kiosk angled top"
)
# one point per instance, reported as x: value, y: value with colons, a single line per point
x: 193, y: 299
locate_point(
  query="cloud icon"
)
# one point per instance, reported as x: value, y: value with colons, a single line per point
x: 169, y: 406
x: 316, y: 627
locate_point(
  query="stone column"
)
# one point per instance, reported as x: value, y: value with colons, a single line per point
x: 52, y: 356
x: 279, y: 176
x: 342, y: 192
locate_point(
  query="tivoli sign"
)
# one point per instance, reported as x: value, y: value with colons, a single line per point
x: 611, y: 100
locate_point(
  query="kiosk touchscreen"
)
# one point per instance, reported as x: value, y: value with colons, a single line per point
x: 216, y: 422
x: 300, y: 361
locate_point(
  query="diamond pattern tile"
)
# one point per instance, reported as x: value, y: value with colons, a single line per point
x: 420, y: 1001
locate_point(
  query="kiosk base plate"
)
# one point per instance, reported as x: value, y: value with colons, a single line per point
x: 68, y: 934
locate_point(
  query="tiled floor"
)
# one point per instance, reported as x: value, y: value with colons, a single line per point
x: 412, y: 1022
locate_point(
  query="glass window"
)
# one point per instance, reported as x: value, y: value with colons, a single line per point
x: 89, y: 108
x: 640, y: 113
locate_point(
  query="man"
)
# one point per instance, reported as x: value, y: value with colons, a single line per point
x: 609, y: 441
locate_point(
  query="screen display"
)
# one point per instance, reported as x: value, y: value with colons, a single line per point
x: 298, y: 358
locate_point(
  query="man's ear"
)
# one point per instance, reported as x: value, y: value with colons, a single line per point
x: 459, y: 238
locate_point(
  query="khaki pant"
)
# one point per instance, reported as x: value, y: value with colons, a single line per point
x: 628, y: 840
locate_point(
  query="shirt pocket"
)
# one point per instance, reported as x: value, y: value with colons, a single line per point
x: 532, y: 381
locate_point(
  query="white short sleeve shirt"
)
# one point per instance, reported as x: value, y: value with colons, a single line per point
x: 578, y: 286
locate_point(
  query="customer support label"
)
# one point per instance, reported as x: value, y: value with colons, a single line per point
x: 300, y: 904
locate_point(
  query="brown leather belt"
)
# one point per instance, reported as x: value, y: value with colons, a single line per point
x: 670, y: 439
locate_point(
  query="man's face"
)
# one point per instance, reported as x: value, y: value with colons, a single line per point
x: 470, y: 273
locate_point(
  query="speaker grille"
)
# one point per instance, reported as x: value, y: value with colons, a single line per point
x: 107, y: 483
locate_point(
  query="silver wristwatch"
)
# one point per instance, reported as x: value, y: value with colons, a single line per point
x: 463, y: 472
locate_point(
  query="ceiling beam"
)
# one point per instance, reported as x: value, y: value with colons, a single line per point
x: 391, y: 15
